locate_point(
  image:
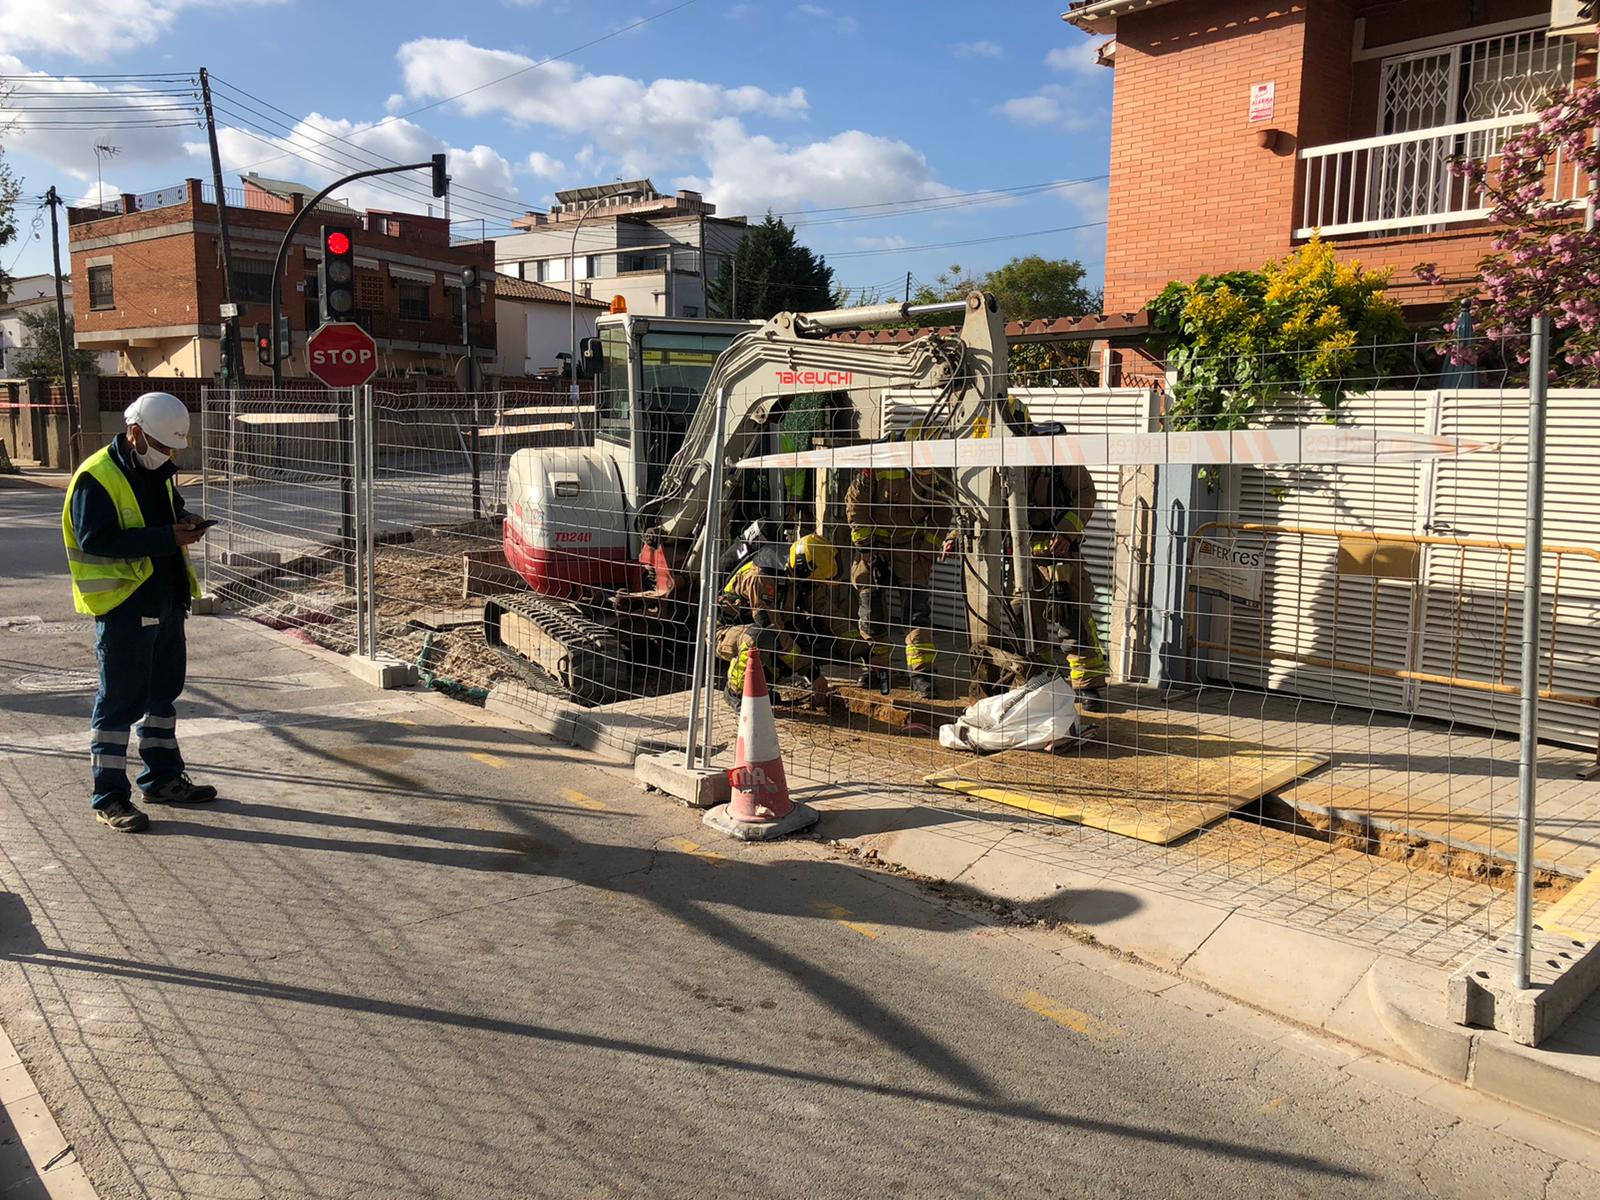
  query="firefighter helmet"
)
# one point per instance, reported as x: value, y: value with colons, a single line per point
x: 811, y: 557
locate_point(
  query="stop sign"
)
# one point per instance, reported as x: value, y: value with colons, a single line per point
x: 342, y: 354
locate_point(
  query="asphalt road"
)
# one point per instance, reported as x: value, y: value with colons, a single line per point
x: 412, y: 955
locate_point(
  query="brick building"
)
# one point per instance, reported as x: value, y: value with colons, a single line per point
x: 1240, y: 127
x: 149, y: 281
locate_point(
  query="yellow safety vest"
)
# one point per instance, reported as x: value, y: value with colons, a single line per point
x: 99, y: 583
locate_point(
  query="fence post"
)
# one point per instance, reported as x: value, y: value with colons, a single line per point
x: 355, y: 446
x: 1532, y: 607
x: 371, y: 584
x: 205, y: 490
x: 347, y: 506
x: 705, y: 621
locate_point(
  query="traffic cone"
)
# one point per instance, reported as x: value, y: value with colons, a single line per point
x: 760, y: 807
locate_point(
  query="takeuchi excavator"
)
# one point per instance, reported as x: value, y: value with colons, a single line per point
x: 609, y: 536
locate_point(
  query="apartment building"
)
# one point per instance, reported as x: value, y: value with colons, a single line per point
x: 628, y: 240
x: 151, y: 273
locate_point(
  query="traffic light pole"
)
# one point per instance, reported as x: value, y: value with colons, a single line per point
x: 230, y: 325
x: 435, y: 164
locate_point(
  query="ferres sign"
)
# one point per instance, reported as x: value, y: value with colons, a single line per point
x: 342, y: 354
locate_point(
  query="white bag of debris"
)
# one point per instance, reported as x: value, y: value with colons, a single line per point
x: 1043, y: 711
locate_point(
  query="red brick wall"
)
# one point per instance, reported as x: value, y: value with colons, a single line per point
x: 1191, y: 190
x: 153, y: 283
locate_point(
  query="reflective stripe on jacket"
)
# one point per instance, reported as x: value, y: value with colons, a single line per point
x: 99, y: 583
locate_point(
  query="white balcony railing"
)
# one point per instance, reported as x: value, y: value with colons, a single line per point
x: 1403, y: 182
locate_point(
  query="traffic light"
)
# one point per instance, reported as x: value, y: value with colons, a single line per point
x: 230, y: 370
x: 264, y: 343
x: 336, y: 277
x: 441, y: 181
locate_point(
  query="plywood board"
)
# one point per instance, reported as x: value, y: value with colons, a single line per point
x: 1154, y: 776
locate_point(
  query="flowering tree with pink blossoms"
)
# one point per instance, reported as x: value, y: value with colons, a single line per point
x: 1546, y: 256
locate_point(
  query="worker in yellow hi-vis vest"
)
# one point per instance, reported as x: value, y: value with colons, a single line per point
x: 898, y: 527
x: 127, y: 535
x: 1061, y: 501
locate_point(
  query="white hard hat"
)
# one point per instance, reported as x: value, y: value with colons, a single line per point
x: 161, y: 415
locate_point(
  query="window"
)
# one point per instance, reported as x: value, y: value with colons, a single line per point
x: 414, y: 301
x: 613, y: 420
x: 675, y: 368
x: 100, y: 288
x: 641, y: 262
x: 252, y: 282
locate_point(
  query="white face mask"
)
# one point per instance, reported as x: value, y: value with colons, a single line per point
x: 150, y: 458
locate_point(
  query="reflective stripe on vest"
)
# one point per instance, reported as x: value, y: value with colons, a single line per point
x: 100, y: 583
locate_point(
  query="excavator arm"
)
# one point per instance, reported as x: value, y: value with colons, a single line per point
x: 762, y: 372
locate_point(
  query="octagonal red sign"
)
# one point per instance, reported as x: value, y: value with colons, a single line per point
x: 342, y: 354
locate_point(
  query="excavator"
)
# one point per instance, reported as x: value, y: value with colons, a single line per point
x: 610, y: 537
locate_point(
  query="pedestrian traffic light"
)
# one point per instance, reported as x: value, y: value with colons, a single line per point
x: 336, y: 277
x: 229, y: 371
x: 441, y: 181
x: 264, y: 343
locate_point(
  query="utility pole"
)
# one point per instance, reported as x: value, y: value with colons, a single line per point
x: 908, y: 287
x: 61, y: 319
x: 230, y: 326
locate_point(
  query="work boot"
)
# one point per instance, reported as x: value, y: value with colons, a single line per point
x: 122, y: 816
x: 922, y: 684
x: 885, y: 683
x: 864, y: 680
x: 1092, y: 700
x: 181, y: 790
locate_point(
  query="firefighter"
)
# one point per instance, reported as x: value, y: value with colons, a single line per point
x: 768, y: 607
x: 1061, y: 501
x: 897, y: 527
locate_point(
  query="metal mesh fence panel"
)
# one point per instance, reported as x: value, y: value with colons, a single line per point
x: 1270, y: 656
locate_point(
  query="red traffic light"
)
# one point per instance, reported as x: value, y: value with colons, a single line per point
x: 338, y: 243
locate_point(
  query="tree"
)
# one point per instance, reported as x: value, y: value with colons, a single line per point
x: 1026, y: 288
x: 1544, y: 260
x: 40, y: 356
x: 775, y: 274
x: 1303, y: 326
x: 10, y: 190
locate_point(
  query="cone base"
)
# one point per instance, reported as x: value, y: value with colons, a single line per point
x: 801, y: 816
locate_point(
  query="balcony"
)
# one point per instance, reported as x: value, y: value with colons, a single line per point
x: 391, y: 327
x: 1402, y: 182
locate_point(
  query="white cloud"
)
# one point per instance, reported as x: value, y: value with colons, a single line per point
x: 91, y: 29
x: 752, y: 173
x: 641, y: 125
x: 394, y: 103
x: 816, y: 12
x: 977, y: 50
x: 1052, y: 106
x: 1080, y: 58
x: 313, y: 153
x: 72, y: 150
x: 102, y: 195
x: 542, y: 165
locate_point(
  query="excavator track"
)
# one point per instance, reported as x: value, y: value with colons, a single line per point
x: 553, y: 642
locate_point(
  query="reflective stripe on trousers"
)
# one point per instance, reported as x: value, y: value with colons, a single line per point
x: 142, y: 671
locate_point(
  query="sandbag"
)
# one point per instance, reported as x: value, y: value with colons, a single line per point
x: 1041, y: 712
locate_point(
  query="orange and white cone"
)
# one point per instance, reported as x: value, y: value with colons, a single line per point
x: 759, y: 807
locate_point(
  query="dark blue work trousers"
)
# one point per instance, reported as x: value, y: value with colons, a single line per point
x: 142, y: 664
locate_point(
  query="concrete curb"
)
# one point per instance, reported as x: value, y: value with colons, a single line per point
x: 1392, y: 1007
x: 36, y: 1160
x: 615, y: 737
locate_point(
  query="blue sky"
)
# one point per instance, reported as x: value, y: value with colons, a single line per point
x: 813, y: 110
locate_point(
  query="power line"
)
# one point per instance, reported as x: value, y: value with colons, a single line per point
x: 1004, y: 237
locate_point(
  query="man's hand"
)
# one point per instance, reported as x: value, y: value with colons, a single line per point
x: 950, y: 546
x: 187, y: 534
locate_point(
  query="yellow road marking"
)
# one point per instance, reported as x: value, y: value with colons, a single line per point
x: 843, y: 915
x: 402, y: 721
x: 1272, y: 1105
x: 488, y: 760
x: 694, y: 848
x: 1070, y: 1018
x: 573, y: 796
